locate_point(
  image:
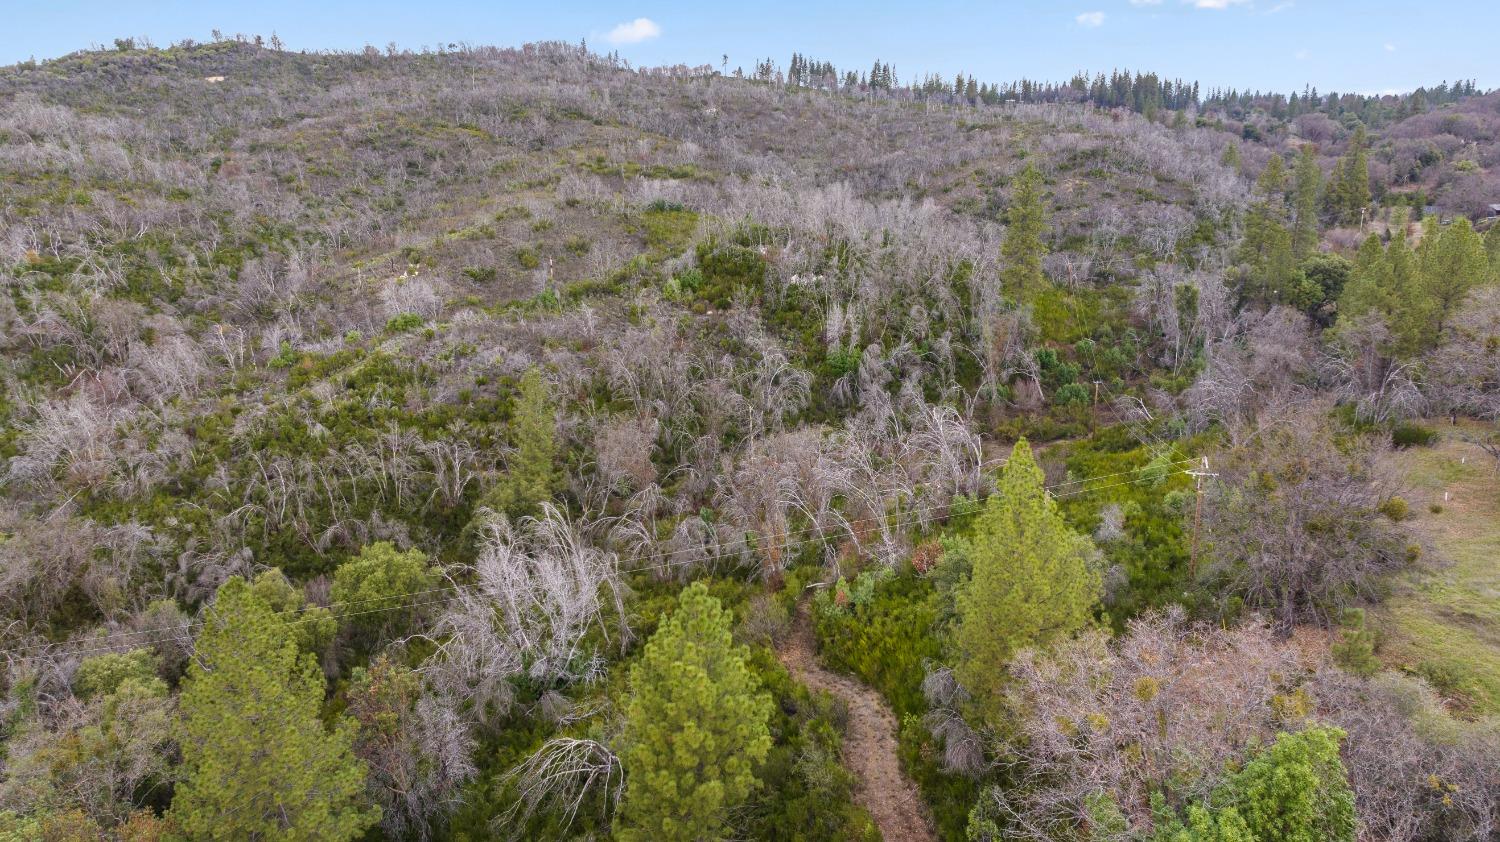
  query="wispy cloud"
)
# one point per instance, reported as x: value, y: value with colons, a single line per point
x: 1215, y: 4
x: 1280, y: 7
x: 1145, y: 2
x: 1390, y: 48
x: 1090, y: 19
x: 1301, y: 55
x: 634, y: 32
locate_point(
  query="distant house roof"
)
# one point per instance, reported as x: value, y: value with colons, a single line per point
x: 1495, y: 209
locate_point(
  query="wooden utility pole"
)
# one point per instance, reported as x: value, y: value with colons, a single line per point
x: 1198, y: 476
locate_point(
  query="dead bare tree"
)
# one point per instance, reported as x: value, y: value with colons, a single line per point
x: 1172, y: 702
x: 532, y: 593
x: 1294, y: 518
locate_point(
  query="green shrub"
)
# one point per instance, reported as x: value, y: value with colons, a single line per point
x: 380, y: 579
x: 949, y: 796
x: 1413, y: 435
x: 527, y: 257
x: 884, y: 638
x: 404, y: 322
x: 1354, y: 651
x: 102, y: 675
x: 727, y: 269
x: 1395, y: 508
x: 805, y: 791
x: 841, y: 361
x: 1072, y: 394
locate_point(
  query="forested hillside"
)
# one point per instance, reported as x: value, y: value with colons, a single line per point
x: 468, y: 444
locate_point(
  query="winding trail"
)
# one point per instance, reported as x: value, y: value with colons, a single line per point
x: 869, y: 745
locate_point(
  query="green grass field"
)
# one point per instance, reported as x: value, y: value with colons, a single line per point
x: 1443, y: 622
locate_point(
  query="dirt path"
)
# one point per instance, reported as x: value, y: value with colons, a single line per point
x: 869, y: 743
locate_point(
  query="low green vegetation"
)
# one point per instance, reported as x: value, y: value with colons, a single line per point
x: 1443, y: 623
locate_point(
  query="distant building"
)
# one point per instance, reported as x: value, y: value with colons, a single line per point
x: 1494, y: 211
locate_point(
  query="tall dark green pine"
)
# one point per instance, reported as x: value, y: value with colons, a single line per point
x: 1452, y: 262
x: 1266, y: 250
x: 1371, y: 287
x: 1354, y: 191
x: 1231, y: 157
x: 1306, y: 186
x: 1272, y: 182
x: 1026, y: 225
x: 531, y: 476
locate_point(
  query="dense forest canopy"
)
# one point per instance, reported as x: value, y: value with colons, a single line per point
x: 514, y: 443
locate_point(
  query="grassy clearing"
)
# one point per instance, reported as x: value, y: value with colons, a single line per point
x: 1444, y: 622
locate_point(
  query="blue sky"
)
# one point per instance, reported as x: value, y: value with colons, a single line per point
x: 1337, y: 45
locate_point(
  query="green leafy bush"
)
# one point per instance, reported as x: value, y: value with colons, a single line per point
x: 404, y: 322
x: 884, y: 639
x: 1413, y: 435
x: 1395, y: 508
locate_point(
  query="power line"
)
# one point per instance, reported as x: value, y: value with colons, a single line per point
x: 902, y: 519
x: 731, y: 549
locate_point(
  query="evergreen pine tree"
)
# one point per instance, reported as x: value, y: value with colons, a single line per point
x: 1231, y: 157
x: 695, y: 727
x: 1266, y: 250
x: 1307, y: 182
x: 1333, y: 196
x: 257, y: 761
x: 1272, y: 182
x: 1354, y: 185
x: 1492, y: 247
x: 1452, y: 262
x: 531, y: 477
x: 1404, y: 290
x: 1371, y: 286
x: 1032, y: 580
x: 1026, y: 225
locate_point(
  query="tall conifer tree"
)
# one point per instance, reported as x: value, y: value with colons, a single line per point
x: 257, y: 761
x: 695, y: 727
x: 1026, y: 225
x: 1033, y: 579
x: 1306, y: 185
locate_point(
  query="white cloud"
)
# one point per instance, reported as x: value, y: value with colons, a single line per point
x: 1280, y: 7
x: 1302, y: 55
x: 638, y: 30
x: 1090, y: 19
x: 1215, y: 4
x: 1390, y: 48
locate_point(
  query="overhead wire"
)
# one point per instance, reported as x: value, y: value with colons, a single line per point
x: 900, y: 519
